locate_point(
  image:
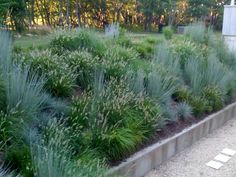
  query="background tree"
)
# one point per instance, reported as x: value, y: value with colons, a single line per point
x: 23, y: 14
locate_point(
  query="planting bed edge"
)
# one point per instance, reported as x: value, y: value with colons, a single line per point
x: 151, y: 157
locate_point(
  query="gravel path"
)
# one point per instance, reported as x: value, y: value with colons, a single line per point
x: 191, y: 162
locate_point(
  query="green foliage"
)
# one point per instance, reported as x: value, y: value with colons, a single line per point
x: 146, y: 48
x: 214, y: 96
x: 168, y: 33
x: 186, y: 50
x: 199, y: 104
x: 124, y: 41
x: 112, y: 119
x: 18, y: 12
x: 60, y: 78
x: 83, y: 63
x: 198, y: 8
x: 80, y: 39
x: 19, y: 156
x: 116, y: 60
x: 52, y: 154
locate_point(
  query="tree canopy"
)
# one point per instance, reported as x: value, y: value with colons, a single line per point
x: 20, y: 14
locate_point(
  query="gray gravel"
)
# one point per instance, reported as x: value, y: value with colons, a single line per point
x: 191, y: 162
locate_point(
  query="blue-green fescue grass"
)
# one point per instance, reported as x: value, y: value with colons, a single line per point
x: 160, y: 88
x: 4, y: 172
x: 25, y: 92
x: 5, y: 52
x: 184, y: 110
x: 52, y: 156
x: 200, y: 74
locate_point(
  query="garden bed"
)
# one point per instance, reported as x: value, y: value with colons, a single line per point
x: 151, y: 157
x: 95, y: 101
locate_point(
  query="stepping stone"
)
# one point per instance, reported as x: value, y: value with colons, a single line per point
x: 229, y: 152
x: 222, y: 158
x: 214, y: 164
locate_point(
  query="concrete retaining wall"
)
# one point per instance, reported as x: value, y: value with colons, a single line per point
x: 151, y: 157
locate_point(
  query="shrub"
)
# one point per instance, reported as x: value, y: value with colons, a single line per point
x: 60, y: 78
x: 112, y: 119
x: 124, y: 41
x: 19, y: 156
x: 116, y: 60
x: 52, y: 154
x: 116, y: 53
x: 84, y: 64
x: 168, y: 33
x: 152, y: 41
x: 186, y: 50
x: 184, y: 110
x: 199, y: 104
x: 80, y: 39
x: 146, y: 48
x: 214, y: 96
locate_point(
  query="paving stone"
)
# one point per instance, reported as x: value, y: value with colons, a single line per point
x: 214, y: 164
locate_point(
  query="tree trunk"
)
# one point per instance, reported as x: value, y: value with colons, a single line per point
x: 68, y: 13
x: 61, y: 13
x: 148, y: 22
x: 78, y: 13
x: 47, y: 12
x: 32, y: 21
x: 40, y: 7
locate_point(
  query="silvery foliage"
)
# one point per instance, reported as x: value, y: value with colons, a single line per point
x: 113, y: 30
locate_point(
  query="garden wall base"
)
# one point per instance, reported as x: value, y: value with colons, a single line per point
x: 151, y: 157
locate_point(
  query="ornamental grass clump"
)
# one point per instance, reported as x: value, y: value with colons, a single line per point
x: 52, y: 155
x: 160, y: 88
x: 113, y: 120
x: 60, y: 77
x: 2, y: 95
x: 168, y: 32
x: 84, y: 64
x: 184, y: 110
x: 167, y: 61
x: 76, y: 40
x: 146, y: 48
x: 25, y: 91
x: 198, y: 33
